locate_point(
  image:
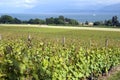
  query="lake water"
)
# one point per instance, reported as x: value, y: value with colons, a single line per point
x: 82, y: 17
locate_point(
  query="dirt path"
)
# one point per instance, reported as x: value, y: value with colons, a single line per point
x: 64, y: 27
x: 84, y: 28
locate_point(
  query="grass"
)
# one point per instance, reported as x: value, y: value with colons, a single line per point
x: 64, y: 32
x: 52, y: 34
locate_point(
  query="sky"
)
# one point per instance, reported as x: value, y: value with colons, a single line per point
x: 24, y: 6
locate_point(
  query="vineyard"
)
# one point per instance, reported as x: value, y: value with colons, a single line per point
x: 57, y: 54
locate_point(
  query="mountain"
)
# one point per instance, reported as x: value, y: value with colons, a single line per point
x: 111, y: 8
x: 114, y: 8
x: 63, y: 8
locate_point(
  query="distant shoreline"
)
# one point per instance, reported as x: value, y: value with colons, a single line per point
x: 81, y: 17
x: 61, y: 20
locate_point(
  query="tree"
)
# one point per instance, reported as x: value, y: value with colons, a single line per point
x: 86, y: 22
x: 17, y: 21
x: 56, y: 21
x: 108, y: 22
x: 73, y: 22
x: 31, y: 21
x: 6, y: 19
x: 59, y: 21
x: 50, y: 20
x: 115, y: 21
x: 42, y: 21
x: 118, y: 25
x: 25, y: 22
x: 61, y: 18
x: 36, y: 21
x: 67, y: 20
x: 98, y: 23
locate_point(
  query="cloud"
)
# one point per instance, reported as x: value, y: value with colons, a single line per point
x: 22, y: 5
x: 19, y: 3
x: 32, y: 3
x: 26, y: 3
x: 108, y: 2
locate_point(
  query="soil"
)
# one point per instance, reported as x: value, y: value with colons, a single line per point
x: 112, y: 72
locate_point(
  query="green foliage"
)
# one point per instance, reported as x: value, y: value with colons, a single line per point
x: 86, y: 22
x: 50, y: 20
x: 98, y: 23
x: 111, y: 22
x: 108, y: 22
x: 6, y: 19
x: 73, y: 22
x: 115, y: 21
x: 36, y: 21
x: 17, y: 21
x: 49, y: 61
x: 45, y: 58
x: 61, y: 21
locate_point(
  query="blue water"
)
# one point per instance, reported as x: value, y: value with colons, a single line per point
x: 82, y: 17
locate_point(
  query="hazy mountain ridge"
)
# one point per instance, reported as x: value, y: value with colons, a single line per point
x: 93, y: 9
x: 111, y: 8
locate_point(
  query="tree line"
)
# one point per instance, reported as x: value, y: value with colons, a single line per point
x: 61, y: 20
x: 111, y: 22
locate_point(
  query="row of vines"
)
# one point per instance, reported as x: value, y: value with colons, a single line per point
x: 21, y: 60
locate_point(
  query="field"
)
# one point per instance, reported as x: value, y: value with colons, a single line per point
x: 76, y: 36
x: 38, y: 53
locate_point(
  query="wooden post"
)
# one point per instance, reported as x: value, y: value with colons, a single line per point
x: 63, y: 41
x: 90, y: 43
x: 29, y: 41
x: 0, y: 37
x: 106, y: 43
x: 29, y: 38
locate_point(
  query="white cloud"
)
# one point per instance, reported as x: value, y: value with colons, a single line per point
x: 108, y: 2
x: 27, y: 3
x: 19, y: 3
x: 22, y: 5
x: 30, y: 1
x: 33, y: 3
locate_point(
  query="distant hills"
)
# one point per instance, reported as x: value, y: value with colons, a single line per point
x: 114, y: 8
x: 110, y: 8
